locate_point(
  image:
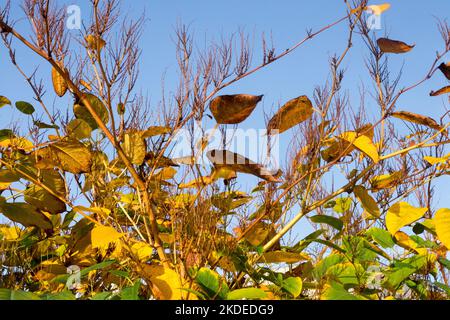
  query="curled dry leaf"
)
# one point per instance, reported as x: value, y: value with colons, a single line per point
x: 59, y: 83
x: 417, y: 118
x: 441, y: 91
x: 445, y: 68
x: 95, y: 42
x: 233, y: 109
x: 393, y: 46
x: 227, y: 159
x: 291, y: 114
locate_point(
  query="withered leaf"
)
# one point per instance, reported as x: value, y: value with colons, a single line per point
x: 238, y: 163
x: 233, y: 109
x: 417, y: 118
x: 441, y: 91
x: 445, y: 68
x: 59, y: 84
x: 393, y: 46
x: 291, y: 114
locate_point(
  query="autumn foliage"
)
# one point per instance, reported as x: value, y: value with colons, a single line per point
x: 93, y: 191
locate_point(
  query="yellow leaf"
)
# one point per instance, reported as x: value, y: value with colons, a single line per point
x: 363, y: 143
x: 10, y: 233
x: 17, y: 143
x: 442, y: 223
x: 367, y: 202
x: 59, y: 83
x: 434, y: 160
x: 291, y: 114
x: 102, y: 237
x: 143, y: 251
x: 378, y: 9
x: 282, y: 257
x: 95, y: 42
x: 402, y: 214
x: 417, y: 118
x: 258, y: 233
x: 404, y: 241
x: 167, y: 283
x: 198, y: 183
x: 233, y: 109
x: 386, y: 181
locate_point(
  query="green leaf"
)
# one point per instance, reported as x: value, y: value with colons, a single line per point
x: 337, y: 292
x: 329, y: 220
x: 246, y: 293
x: 25, y: 107
x: 60, y: 296
x: 134, y: 147
x: 211, y: 283
x: 382, y: 237
x: 131, y: 293
x: 102, y: 296
x: 6, y: 134
x: 43, y: 125
x: 293, y: 286
x: 8, y: 294
x: 4, y: 101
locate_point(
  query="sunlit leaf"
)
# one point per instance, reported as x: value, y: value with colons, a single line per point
x: 59, y: 83
x: 402, y: 214
x: 393, y: 46
x: 81, y: 111
x: 8, y: 294
x: 367, y: 202
x: 238, y: 163
x: 293, y: 285
x: 378, y: 9
x: 95, y: 42
x: 441, y: 91
x: 362, y: 143
x: 442, y: 223
x: 212, y: 284
x: 417, y: 118
x: 233, y: 109
x: 79, y: 129
x: 291, y: 114
x: 71, y: 156
x: 102, y: 236
x: 4, y: 101
x: 282, y: 257
x: 134, y: 147
x: 386, y: 181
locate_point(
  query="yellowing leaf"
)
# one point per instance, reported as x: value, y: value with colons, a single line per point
x: 102, y: 237
x: 95, y: 42
x: 282, y: 257
x: 198, y: 183
x: 417, y: 118
x: 386, y: 181
x: 238, y: 163
x: 4, y: 101
x: 291, y: 114
x: 362, y: 143
x: 434, y: 160
x: 134, y: 147
x: 402, y: 214
x: 25, y: 214
x: 71, y: 156
x: 367, y: 202
x: 233, y: 109
x: 404, y: 241
x: 393, y: 46
x: 259, y: 233
x: 82, y: 112
x: 9, y: 233
x: 17, y: 143
x: 166, y: 282
x: 442, y: 223
x: 59, y: 84
x: 378, y: 9
x: 441, y: 91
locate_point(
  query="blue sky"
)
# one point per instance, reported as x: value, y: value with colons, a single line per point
x: 412, y: 21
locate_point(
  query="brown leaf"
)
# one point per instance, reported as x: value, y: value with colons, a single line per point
x: 445, y: 68
x: 291, y: 114
x: 440, y: 91
x: 417, y: 118
x: 59, y: 84
x: 238, y: 163
x: 233, y: 109
x: 393, y: 46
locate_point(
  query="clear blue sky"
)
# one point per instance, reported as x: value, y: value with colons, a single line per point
x: 413, y: 21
